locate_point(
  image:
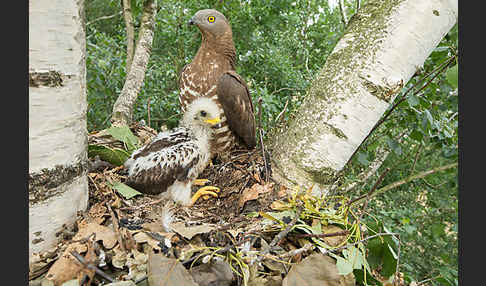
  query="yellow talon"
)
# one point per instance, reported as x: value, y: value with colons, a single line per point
x: 205, y: 191
x: 200, y: 182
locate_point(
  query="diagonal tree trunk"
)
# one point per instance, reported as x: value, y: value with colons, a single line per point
x: 383, y: 45
x: 123, y: 108
x: 58, y: 185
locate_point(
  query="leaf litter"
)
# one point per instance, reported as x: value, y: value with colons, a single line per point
x: 255, y: 232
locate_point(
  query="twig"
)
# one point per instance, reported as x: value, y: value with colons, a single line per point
x: 309, y: 246
x: 368, y: 195
x: 358, y: 5
x: 148, y: 111
x: 282, y: 112
x: 344, y: 18
x: 397, y: 278
x: 91, y: 266
x: 408, y: 179
x: 280, y: 235
x: 381, y: 155
x: 419, y: 149
x: 219, y: 251
x: 361, y: 241
x: 103, y: 18
x: 117, y: 228
x: 339, y: 233
x: 432, y: 186
x: 261, y: 137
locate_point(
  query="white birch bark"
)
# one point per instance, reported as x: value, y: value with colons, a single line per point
x: 58, y: 185
x: 381, y: 49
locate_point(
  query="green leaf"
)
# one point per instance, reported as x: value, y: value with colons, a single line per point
x: 375, y: 252
x: 394, y: 146
x: 360, y: 278
x: 437, y: 230
x: 114, y: 156
x: 412, y: 100
x: 444, y: 281
x: 452, y: 76
x: 344, y: 266
x: 416, y: 135
x: 389, y: 262
x: 124, y: 134
x: 124, y: 190
x: 363, y: 158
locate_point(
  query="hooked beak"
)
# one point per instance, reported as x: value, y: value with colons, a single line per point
x: 213, y: 121
x: 191, y: 22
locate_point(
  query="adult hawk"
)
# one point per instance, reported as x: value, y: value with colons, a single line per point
x: 171, y: 162
x: 212, y: 74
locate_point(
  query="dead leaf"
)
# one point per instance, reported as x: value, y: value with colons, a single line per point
x: 66, y: 267
x: 105, y: 234
x: 190, y: 231
x: 163, y: 271
x: 333, y: 241
x: 215, y: 273
x: 120, y: 258
x: 278, y: 205
x: 316, y: 269
x: 137, y: 264
x: 283, y: 191
x: 253, y: 192
x: 142, y: 237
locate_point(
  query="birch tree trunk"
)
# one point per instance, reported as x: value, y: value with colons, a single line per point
x: 123, y: 108
x: 379, y: 52
x: 58, y: 186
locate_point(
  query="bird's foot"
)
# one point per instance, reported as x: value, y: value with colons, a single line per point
x: 206, y: 192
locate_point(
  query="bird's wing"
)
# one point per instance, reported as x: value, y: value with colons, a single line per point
x: 234, y: 96
x: 157, y: 165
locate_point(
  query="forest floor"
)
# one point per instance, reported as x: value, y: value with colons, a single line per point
x: 254, y: 233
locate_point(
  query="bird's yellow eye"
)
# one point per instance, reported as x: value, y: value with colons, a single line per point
x: 211, y: 19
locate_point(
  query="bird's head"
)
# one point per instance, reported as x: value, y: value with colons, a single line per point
x: 202, y: 112
x: 210, y: 21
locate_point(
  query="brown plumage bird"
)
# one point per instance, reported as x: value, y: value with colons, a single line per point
x: 212, y: 74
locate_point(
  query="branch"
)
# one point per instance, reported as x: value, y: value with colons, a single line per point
x: 381, y: 155
x: 407, y: 180
x: 280, y: 235
x: 91, y: 266
x: 342, y: 9
x: 103, y: 18
x: 123, y: 108
x: 127, y: 14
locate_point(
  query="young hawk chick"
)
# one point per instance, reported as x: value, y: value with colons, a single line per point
x: 173, y: 159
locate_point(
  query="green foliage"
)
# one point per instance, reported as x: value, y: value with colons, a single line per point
x: 278, y: 54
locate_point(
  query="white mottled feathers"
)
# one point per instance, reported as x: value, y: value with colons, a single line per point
x: 174, y: 158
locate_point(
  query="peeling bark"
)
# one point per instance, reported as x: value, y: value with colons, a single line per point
x: 58, y: 186
x: 123, y: 108
x: 383, y: 45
